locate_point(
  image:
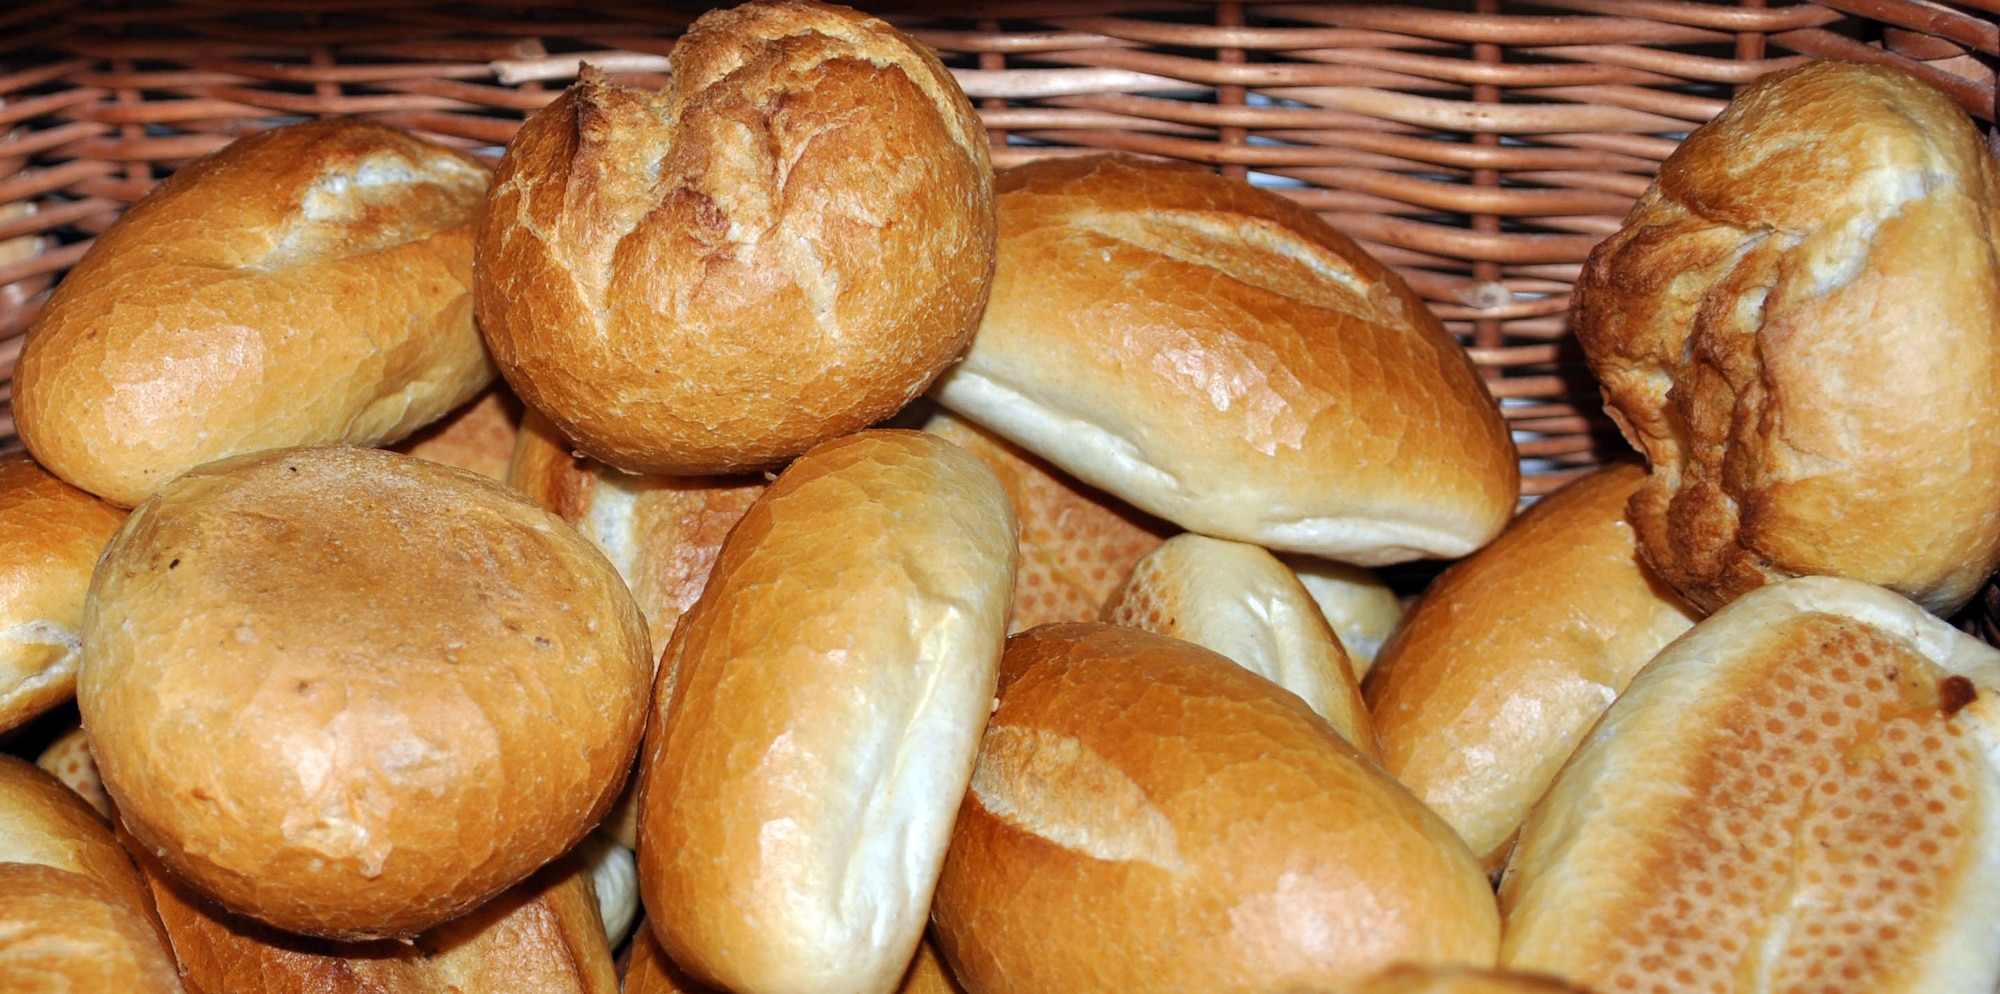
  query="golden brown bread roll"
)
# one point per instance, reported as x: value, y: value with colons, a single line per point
x: 783, y: 246
x: 1801, y: 793
x: 540, y: 937
x: 74, y: 914
x: 1218, y: 356
x: 1410, y: 978
x: 1512, y: 654
x: 352, y: 693
x: 652, y: 972
x: 479, y: 436
x: 1800, y: 326
x: 1240, y: 601
x: 817, y: 717
x: 1147, y: 815
x: 309, y: 284
x: 50, y: 535
x: 1077, y: 544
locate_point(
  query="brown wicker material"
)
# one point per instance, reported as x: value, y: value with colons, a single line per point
x: 1481, y: 147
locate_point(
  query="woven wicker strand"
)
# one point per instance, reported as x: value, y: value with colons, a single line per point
x: 1481, y: 147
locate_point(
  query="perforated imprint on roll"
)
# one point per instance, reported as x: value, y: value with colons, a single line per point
x: 1828, y: 816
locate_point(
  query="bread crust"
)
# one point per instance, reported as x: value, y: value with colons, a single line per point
x: 783, y: 246
x: 1772, y: 328
x: 305, y: 285
x: 50, y: 535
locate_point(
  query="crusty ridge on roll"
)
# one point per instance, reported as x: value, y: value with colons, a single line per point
x: 1804, y: 789
x: 818, y: 714
x: 1218, y: 356
x: 1799, y: 324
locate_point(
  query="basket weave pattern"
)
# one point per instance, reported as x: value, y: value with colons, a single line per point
x: 1480, y: 147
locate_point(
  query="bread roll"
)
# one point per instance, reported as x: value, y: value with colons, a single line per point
x: 50, y: 535
x: 1410, y: 978
x: 1362, y: 609
x: 661, y: 532
x: 1799, y: 324
x: 539, y: 937
x: 74, y: 916
x: 1148, y: 816
x: 1512, y: 654
x: 479, y: 436
x: 818, y: 714
x: 353, y: 694
x: 783, y: 246
x: 1240, y: 601
x: 1077, y: 544
x: 68, y: 760
x: 308, y: 284
x: 1218, y: 356
x: 1801, y: 793
x: 652, y: 973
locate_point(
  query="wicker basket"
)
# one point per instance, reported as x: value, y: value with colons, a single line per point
x: 1480, y: 147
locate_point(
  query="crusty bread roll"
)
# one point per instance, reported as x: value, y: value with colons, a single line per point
x: 68, y: 760
x: 1800, y: 326
x: 783, y: 246
x: 541, y: 936
x: 50, y: 535
x: 662, y: 532
x: 1411, y: 978
x: 1362, y: 609
x: 1512, y: 654
x: 652, y: 972
x: 1801, y: 793
x: 309, y: 284
x: 1077, y: 544
x: 1148, y: 816
x: 479, y: 436
x: 1240, y: 601
x: 1218, y: 356
x: 818, y: 714
x: 352, y: 693
x: 74, y: 915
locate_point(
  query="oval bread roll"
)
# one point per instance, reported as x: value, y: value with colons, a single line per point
x: 1149, y: 816
x: 1800, y: 792
x: 1218, y: 356
x: 818, y: 714
x: 1240, y: 601
x: 309, y: 284
x: 783, y: 246
x: 1512, y: 654
x: 652, y: 973
x: 1363, y: 610
x: 50, y: 535
x: 354, y: 694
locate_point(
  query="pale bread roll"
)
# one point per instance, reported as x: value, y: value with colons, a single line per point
x: 1511, y: 655
x: 1218, y: 356
x: 309, y: 284
x: 818, y: 714
x: 1799, y: 324
x: 652, y: 973
x: 783, y: 246
x: 478, y: 437
x: 1149, y: 816
x: 74, y: 914
x: 1077, y: 544
x: 1802, y: 791
x: 68, y: 760
x: 1363, y: 610
x: 354, y: 694
x: 50, y: 535
x: 1240, y: 601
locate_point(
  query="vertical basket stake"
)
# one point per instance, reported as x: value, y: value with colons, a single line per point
x: 1230, y: 15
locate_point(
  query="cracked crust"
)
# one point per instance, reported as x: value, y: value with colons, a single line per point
x: 783, y: 246
x: 1800, y: 327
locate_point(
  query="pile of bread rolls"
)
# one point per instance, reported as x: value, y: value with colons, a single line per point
x: 1068, y: 677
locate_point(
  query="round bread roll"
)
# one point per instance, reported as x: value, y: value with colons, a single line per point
x: 1218, y: 356
x: 1512, y: 654
x: 479, y: 436
x: 50, y: 535
x: 309, y: 284
x: 1077, y: 544
x: 783, y: 246
x: 1148, y: 816
x: 1240, y: 601
x: 1362, y: 609
x: 661, y: 532
x: 1799, y: 324
x: 1801, y: 793
x: 352, y: 693
x: 539, y: 937
x: 74, y: 915
x: 818, y: 714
